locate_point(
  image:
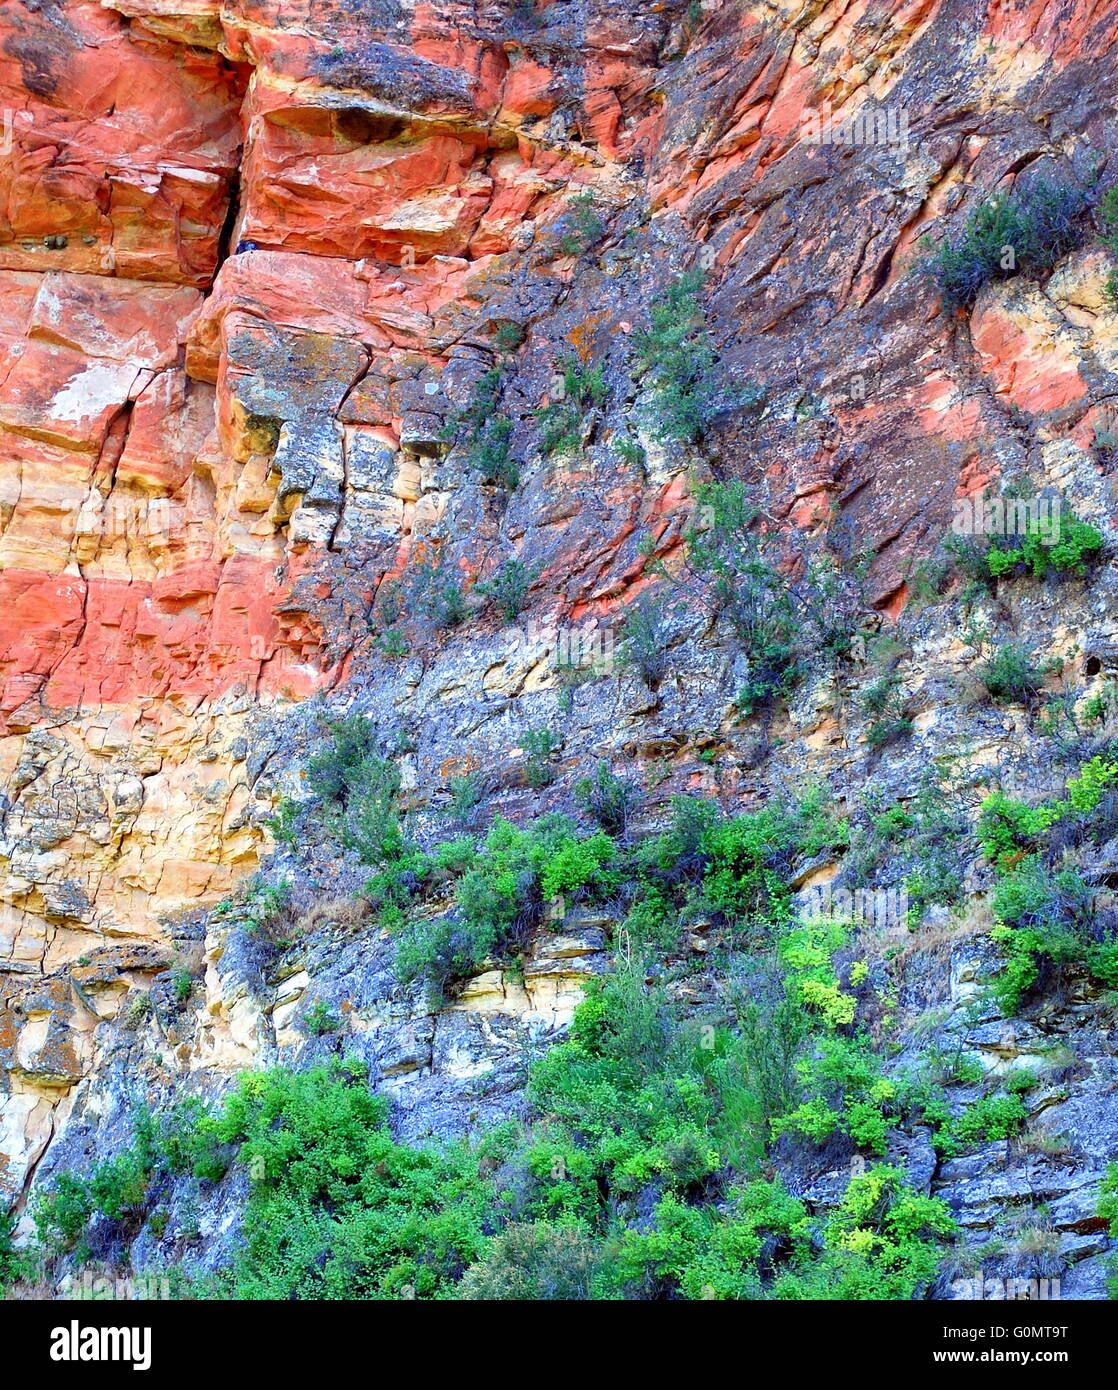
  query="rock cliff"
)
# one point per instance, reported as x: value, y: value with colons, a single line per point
x: 397, y: 368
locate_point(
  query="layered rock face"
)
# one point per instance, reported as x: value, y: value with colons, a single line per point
x: 257, y: 261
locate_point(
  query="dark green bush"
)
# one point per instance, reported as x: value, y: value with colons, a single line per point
x: 467, y: 792
x: 509, y: 587
x: 14, y: 1264
x: 584, y: 228
x: 539, y: 745
x: 338, y: 769
x: 1108, y: 212
x: 439, y: 595
x: 1024, y: 231
x: 607, y: 799
x: 1010, y: 676
x: 677, y: 359
x: 780, y: 625
x: 485, y: 433
x: 643, y: 640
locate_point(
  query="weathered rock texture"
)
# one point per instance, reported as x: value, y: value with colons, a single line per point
x: 254, y: 255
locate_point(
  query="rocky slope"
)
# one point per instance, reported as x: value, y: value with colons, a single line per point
x: 270, y: 274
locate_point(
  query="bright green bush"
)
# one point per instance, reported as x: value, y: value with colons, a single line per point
x: 500, y: 898
x: 1007, y: 829
x: 63, y: 1211
x: 1077, y: 548
x: 1086, y: 790
x: 881, y: 1242
x: 990, y: 1118
x: 847, y: 1094
x: 337, y: 1209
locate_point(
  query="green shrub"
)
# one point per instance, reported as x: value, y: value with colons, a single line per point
x: 988, y: 1119
x: 1010, y: 676
x: 336, y: 770
x: 881, y: 1242
x: 1077, y: 548
x: 532, y: 1261
x: 884, y: 700
x: 1067, y: 546
x: 1025, y: 231
x: 322, y: 1019
x: 777, y: 623
x: 508, y: 588
x: 687, y: 1251
x: 807, y: 951
x: 485, y: 433
x: 1095, y: 777
x: 643, y: 640
x: 847, y: 1094
x: 14, y: 1263
x: 119, y: 1185
x: 630, y: 451
x: 283, y: 824
x: 509, y: 336
x: 392, y: 643
x: 743, y: 877
x: 337, y: 1209
x: 584, y: 227
x: 1108, y: 212
x: 182, y: 984
x: 500, y: 899
x: 584, y: 385
x: 257, y: 907
x: 116, y: 1188
x: 561, y: 423
x: 560, y: 429
x: 1108, y: 1199
x: 539, y: 745
x: 467, y: 792
x: 63, y: 1211
x: 606, y: 798
x: 677, y: 360
x: 1040, y: 916
x: 1008, y: 829
x: 371, y: 825
x: 439, y: 595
